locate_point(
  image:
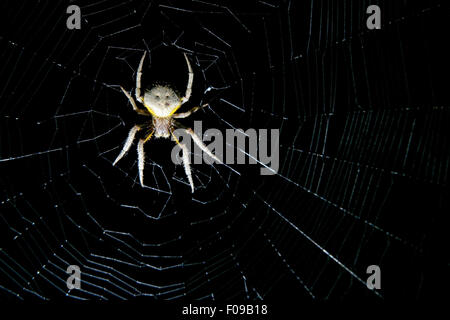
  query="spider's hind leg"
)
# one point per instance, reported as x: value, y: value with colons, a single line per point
x: 133, y: 103
x: 188, y: 113
x: 187, y: 95
x: 138, y: 77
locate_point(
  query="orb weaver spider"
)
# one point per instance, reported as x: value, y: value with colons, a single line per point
x: 161, y: 103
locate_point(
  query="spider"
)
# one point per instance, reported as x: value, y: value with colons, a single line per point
x: 161, y: 103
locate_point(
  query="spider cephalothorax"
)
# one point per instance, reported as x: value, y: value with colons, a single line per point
x: 161, y: 103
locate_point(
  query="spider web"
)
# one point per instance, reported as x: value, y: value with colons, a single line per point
x: 364, y: 151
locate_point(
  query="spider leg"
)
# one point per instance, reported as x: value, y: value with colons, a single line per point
x: 197, y: 141
x: 188, y: 113
x: 190, y: 80
x: 133, y: 103
x: 138, y: 78
x: 128, y: 143
x: 186, y: 162
x: 141, y: 156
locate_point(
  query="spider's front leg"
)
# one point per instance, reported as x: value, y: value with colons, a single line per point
x: 186, y: 162
x: 197, y: 141
x: 141, y: 160
x: 141, y: 156
x: 128, y: 143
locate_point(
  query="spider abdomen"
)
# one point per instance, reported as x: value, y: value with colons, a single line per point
x: 162, y: 100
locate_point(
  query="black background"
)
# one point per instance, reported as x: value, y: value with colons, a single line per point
x: 384, y: 93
